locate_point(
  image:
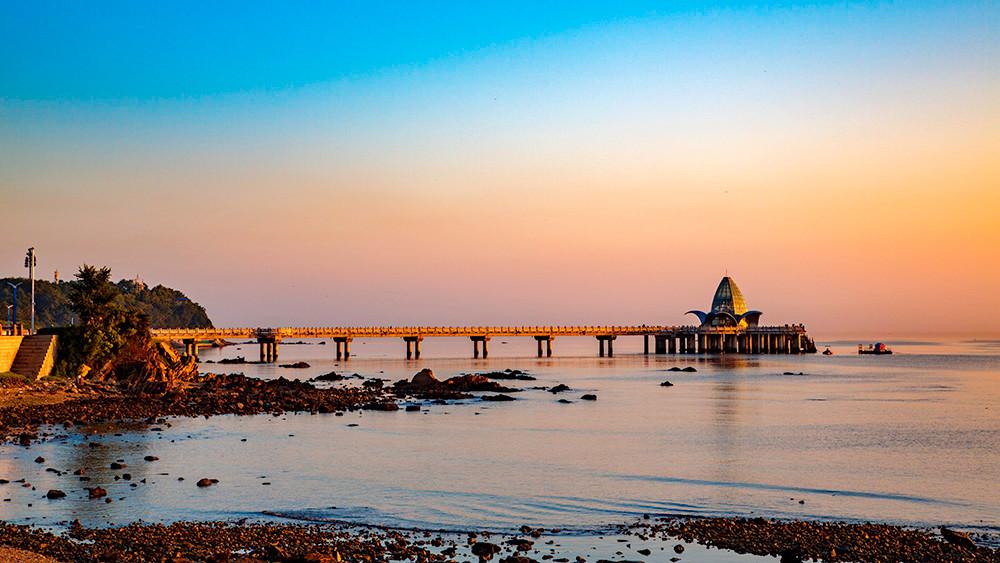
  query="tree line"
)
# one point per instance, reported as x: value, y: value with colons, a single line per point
x: 162, y: 306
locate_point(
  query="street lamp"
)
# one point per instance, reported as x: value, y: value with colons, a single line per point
x: 14, y: 287
x: 30, y: 261
x: 9, y: 308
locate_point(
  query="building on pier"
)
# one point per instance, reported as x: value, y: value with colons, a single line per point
x: 729, y: 308
x: 730, y: 326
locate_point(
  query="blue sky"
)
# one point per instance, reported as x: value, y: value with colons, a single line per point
x: 398, y: 150
x: 155, y: 50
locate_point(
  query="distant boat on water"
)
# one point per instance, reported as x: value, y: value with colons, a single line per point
x: 877, y: 349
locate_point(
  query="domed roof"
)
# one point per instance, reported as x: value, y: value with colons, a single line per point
x: 728, y: 298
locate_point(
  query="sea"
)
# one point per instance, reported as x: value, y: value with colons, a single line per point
x: 910, y: 439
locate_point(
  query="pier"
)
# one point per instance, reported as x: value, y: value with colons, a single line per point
x: 728, y: 328
x: 786, y: 339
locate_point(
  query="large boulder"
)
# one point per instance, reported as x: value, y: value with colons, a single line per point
x: 425, y: 378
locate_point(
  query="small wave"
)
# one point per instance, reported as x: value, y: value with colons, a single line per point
x: 789, y: 489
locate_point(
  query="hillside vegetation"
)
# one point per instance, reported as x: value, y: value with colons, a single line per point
x: 164, y: 307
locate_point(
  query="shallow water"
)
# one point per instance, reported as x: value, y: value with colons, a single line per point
x: 912, y: 438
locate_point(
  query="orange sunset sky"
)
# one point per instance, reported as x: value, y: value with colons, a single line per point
x: 840, y: 161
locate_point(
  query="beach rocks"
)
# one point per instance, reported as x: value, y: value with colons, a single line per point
x: 588, y: 397
x: 559, y: 388
x: 960, y: 539
x: 476, y: 383
x: 55, y: 494
x: 332, y: 376
x: 296, y: 365
x: 236, y: 360
x: 204, y: 395
x: 666, y: 384
x: 425, y: 386
x: 501, y: 397
x: 511, y: 374
x: 412, y: 408
x: 151, y: 458
x: 688, y: 369
x: 521, y: 544
x: 205, y: 482
x: 425, y: 378
x: 96, y: 492
x: 485, y: 550
x: 820, y: 541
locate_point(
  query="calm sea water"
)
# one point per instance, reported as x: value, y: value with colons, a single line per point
x: 913, y: 438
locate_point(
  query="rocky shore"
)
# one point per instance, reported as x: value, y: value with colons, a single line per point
x: 796, y: 541
x: 67, y: 404
x: 654, y: 540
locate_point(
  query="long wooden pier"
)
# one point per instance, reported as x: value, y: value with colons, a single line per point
x: 784, y: 339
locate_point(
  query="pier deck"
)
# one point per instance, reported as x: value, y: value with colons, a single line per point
x: 783, y: 339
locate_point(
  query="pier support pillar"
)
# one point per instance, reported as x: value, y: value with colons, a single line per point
x: 660, y: 344
x: 645, y: 344
x: 671, y: 344
x: 609, y: 339
x: 191, y: 348
x: 547, y: 339
x: 274, y: 347
x: 475, y: 346
x: 263, y: 354
x: 343, y: 347
x: 412, y: 347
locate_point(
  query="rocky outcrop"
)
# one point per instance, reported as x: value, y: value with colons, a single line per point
x: 425, y: 385
x: 147, y: 368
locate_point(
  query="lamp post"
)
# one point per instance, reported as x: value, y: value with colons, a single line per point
x: 30, y: 261
x: 14, y: 286
x: 9, y: 324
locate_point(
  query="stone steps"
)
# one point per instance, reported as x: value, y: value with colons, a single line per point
x: 35, y: 357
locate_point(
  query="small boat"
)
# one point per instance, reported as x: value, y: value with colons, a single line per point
x: 827, y: 352
x: 877, y: 349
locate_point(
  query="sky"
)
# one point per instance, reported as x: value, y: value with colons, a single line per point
x: 360, y: 163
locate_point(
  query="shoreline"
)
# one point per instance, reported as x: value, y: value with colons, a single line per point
x: 52, y: 409
x: 668, y: 537
x: 25, y: 410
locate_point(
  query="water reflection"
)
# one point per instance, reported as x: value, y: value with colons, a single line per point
x: 884, y: 442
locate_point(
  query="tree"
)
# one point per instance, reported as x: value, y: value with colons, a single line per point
x: 93, y: 297
x: 105, y: 327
